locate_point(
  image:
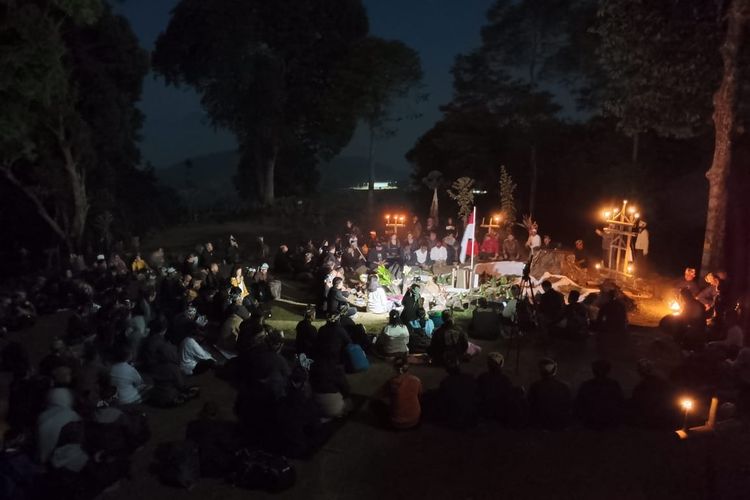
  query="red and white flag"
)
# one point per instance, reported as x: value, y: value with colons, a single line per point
x: 467, y: 242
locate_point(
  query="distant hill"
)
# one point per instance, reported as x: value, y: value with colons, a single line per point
x: 211, y: 176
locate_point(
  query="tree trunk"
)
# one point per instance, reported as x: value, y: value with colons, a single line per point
x: 269, y: 171
x: 371, y: 171
x: 534, y: 175
x: 636, y: 148
x: 77, y: 183
x: 41, y: 210
x: 725, y: 124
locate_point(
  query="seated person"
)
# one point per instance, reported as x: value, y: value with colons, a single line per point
x: 376, y: 256
x: 688, y: 281
x: 306, y: 333
x: 652, y: 404
x: 448, y: 338
x: 194, y: 359
x: 735, y: 337
x: 612, y: 317
x: 576, y: 317
x: 551, y: 306
x: 420, y: 332
x: 485, y: 321
x: 495, y: 390
x: 394, y: 339
x: 263, y: 285
x: 410, y: 303
x: 61, y: 439
x: 438, y: 253
x: 580, y: 256
x: 490, y: 249
x: 401, y: 396
x: 124, y: 377
x: 282, y: 263
x: 331, y: 340
x: 336, y: 301
x: 330, y: 388
x: 377, y: 301
x: 550, y: 399
x: 709, y: 294
x: 511, y: 248
x: 422, y: 257
x: 454, y: 404
x: 600, y: 403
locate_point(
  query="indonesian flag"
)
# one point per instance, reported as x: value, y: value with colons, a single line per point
x: 467, y: 242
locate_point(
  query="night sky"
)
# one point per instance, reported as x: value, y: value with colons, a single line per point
x: 176, y: 128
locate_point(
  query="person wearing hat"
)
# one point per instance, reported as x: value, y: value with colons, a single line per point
x: 550, y: 399
x: 394, y: 339
x: 495, y: 389
x: 401, y: 396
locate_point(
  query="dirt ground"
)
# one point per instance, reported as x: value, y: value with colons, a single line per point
x: 363, y: 460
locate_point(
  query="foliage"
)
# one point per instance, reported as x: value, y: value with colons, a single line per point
x: 660, y: 64
x: 265, y: 71
x: 507, y: 196
x: 462, y: 192
x: 497, y: 287
x: 384, y: 276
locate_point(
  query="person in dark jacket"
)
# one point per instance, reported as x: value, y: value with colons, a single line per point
x: 306, y: 333
x: 652, y: 404
x: 330, y: 388
x: 495, y: 389
x: 485, y: 322
x: 612, y: 317
x: 411, y: 304
x: 600, y: 402
x: 336, y: 299
x: 455, y: 403
x: 448, y: 338
x: 331, y: 340
x: 550, y: 399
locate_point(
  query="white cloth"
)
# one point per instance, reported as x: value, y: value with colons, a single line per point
x: 394, y: 339
x: 468, y: 237
x: 127, y: 380
x: 439, y: 254
x: 377, y: 302
x: 421, y: 256
x: 190, y: 353
x: 641, y: 241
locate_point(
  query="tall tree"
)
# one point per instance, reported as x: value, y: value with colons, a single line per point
x: 43, y: 139
x: 731, y: 104
x: 659, y: 66
x: 379, y: 74
x: 264, y: 71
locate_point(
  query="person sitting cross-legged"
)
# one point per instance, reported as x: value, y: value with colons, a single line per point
x: 495, y: 390
x: 420, y: 332
x: 454, y: 404
x: 600, y: 402
x: 401, y: 394
x: 394, y: 339
x: 550, y: 399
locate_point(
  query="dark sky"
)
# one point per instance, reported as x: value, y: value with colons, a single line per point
x: 176, y: 128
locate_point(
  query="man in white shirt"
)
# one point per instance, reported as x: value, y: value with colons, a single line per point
x: 439, y: 254
x: 423, y: 256
x: 534, y: 243
x: 191, y: 355
x: 125, y: 378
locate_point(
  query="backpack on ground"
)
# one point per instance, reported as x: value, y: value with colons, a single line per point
x: 355, y: 359
x: 258, y: 470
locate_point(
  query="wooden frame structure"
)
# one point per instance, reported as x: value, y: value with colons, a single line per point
x: 621, y: 224
x: 395, y: 222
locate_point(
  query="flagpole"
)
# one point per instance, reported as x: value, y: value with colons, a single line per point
x: 471, y: 249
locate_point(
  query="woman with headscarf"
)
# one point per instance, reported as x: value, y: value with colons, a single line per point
x: 394, y: 339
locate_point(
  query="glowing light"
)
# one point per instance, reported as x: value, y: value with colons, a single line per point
x: 631, y: 210
x: 631, y: 268
x: 686, y: 404
x: 401, y: 218
x: 674, y: 306
x: 598, y: 266
x: 607, y: 214
x: 387, y: 217
x: 637, y: 215
x: 624, y: 202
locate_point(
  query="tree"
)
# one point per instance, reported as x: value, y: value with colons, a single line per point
x: 42, y: 137
x: 265, y: 71
x: 507, y: 196
x: 380, y: 73
x: 659, y: 65
x: 727, y: 164
x: 462, y: 192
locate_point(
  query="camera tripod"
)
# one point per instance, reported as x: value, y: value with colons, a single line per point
x: 521, y: 327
